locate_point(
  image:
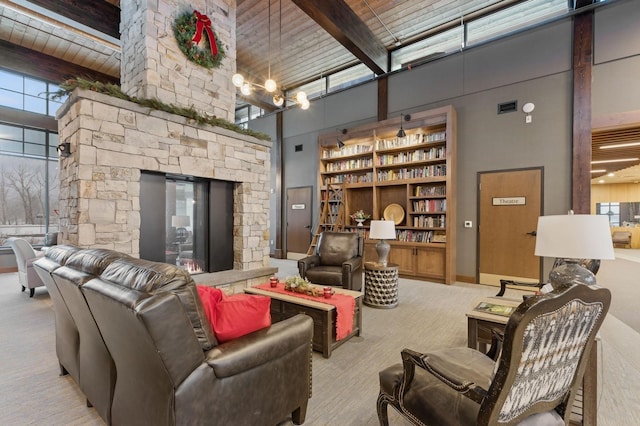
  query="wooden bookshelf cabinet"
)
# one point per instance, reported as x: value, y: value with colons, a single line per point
x: 377, y: 169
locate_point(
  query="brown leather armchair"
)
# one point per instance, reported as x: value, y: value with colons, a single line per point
x: 336, y: 262
x: 536, y: 377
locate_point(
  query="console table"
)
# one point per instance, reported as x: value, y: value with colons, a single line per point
x: 324, y: 316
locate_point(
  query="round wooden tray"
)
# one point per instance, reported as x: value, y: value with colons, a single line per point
x: 394, y: 212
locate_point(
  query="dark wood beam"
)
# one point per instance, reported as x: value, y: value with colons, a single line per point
x: 26, y: 118
x: 337, y: 18
x: 36, y: 64
x: 97, y: 14
x: 383, y: 97
x: 582, y: 67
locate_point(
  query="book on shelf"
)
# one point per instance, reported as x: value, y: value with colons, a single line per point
x: 495, y: 309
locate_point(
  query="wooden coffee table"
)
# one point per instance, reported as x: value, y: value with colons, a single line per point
x: 324, y: 316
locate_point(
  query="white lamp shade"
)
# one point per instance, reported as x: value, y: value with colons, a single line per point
x: 180, y: 221
x: 382, y: 230
x: 579, y: 236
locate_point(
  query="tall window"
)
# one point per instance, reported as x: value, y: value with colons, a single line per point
x: 28, y: 183
x: 28, y: 161
x: 612, y: 210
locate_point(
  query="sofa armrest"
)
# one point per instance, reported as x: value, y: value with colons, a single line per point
x: 307, y: 263
x: 260, y: 347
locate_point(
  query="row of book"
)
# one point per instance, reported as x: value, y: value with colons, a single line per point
x: 430, y: 191
x: 418, y: 155
x: 411, y: 139
x: 413, y: 172
x: 350, y: 178
x: 423, y: 221
x: 409, y: 236
x: 427, y: 206
x: 347, y: 150
x: 356, y: 163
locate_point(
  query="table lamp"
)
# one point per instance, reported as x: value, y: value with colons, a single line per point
x: 382, y: 230
x: 179, y: 222
x: 573, y: 237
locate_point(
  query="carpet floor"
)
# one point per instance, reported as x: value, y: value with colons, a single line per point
x: 345, y: 386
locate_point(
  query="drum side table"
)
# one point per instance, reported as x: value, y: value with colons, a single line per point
x: 380, y: 285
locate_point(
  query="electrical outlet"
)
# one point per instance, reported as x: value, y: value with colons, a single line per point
x: 468, y: 224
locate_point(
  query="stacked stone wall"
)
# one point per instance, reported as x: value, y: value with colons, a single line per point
x: 153, y: 66
x: 113, y: 140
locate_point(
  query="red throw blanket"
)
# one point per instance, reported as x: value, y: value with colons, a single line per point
x: 345, y: 307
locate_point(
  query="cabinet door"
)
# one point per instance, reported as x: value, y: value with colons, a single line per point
x: 430, y: 262
x: 403, y: 256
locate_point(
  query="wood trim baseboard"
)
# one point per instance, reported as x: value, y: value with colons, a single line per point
x: 7, y: 270
x: 466, y: 279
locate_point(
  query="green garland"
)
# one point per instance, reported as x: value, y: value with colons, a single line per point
x: 184, y: 28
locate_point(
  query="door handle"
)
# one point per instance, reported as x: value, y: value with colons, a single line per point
x: 532, y: 233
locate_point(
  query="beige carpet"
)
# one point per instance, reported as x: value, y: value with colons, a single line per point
x: 345, y: 387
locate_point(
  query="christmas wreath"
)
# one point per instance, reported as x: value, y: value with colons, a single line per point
x: 188, y: 29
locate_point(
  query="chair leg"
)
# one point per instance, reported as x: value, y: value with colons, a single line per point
x: 89, y: 404
x: 63, y: 371
x: 299, y: 414
x: 382, y: 406
x: 23, y: 288
x: 32, y: 291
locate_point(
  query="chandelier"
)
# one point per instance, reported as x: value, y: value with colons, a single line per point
x: 270, y: 86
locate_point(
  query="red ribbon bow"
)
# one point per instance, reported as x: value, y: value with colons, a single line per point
x: 204, y: 23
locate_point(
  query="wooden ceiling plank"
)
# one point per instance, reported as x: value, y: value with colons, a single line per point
x: 345, y: 26
x: 99, y: 15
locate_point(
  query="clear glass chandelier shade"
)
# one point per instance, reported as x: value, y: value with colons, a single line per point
x: 237, y: 80
x: 245, y: 89
x: 270, y: 85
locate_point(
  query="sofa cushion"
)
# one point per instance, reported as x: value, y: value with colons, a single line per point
x: 236, y: 315
x: 155, y: 277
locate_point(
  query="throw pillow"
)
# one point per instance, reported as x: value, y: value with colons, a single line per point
x: 236, y: 315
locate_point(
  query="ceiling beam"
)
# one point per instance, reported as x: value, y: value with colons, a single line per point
x: 337, y: 18
x: 36, y: 64
x: 99, y: 15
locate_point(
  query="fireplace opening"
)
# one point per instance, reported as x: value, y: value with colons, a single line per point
x: 186, y: 221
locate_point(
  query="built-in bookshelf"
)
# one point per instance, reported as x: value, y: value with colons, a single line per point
x: 412, y: 178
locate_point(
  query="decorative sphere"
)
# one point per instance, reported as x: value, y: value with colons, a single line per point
x: 301, y: 97
x: 245, y: 89
x: 278, y: 100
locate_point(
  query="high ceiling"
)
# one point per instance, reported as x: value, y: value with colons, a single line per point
x: 300, y: 40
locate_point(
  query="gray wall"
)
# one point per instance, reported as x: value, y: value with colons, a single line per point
x: 534, y: 66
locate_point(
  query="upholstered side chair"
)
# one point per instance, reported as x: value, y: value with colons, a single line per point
x: 336, y: 262
x: 547, y: 343
x: 25, y: 256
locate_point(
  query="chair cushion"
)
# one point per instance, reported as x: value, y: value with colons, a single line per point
x: 325, y: 275
x: 236, y: 315
x: 337, y: 247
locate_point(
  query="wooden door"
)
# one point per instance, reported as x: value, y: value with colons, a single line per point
x: 298, y: 220
x: 510, y: 204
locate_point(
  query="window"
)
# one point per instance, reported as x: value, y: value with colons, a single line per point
x: 28, y: 183
x: 612, y: 210
x: 28, y: 94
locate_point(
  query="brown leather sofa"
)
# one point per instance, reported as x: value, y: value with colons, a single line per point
x: 168, y: 367
x: 336, y: 262
x: 67, y: 336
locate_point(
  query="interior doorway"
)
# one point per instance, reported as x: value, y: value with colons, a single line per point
x: 298, y: 221
x: 510, y: 204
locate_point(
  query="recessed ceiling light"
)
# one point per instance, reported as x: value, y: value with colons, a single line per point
x: 611, y: 174
x: 619, y: 160
x: 620, y: 145
x: 601, y: 181
x: 598, y: 170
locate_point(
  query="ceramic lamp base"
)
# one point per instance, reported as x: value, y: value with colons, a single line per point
x: 382, y: 248
x: 570, y: 273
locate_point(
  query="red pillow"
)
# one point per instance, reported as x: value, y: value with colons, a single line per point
x: 236, y: 315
